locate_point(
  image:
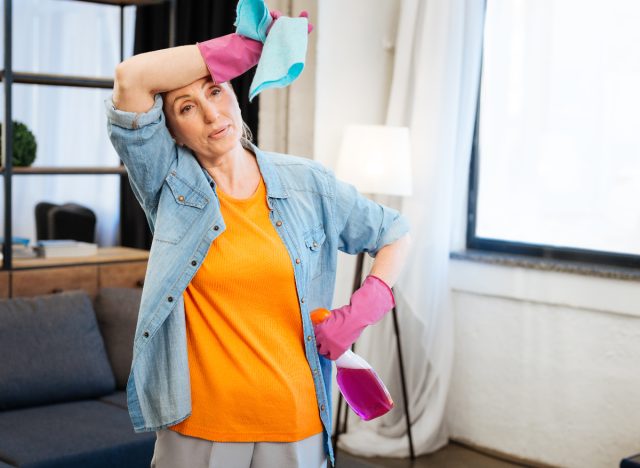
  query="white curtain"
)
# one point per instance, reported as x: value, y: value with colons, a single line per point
x: 434, y: 91
x: 69, y: 124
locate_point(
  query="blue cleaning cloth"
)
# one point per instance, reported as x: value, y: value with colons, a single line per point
x: 253, y: 19
x: 283, y: 55
x: 285, y: 48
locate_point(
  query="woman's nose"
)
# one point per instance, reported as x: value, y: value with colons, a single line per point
x: 210, y: 112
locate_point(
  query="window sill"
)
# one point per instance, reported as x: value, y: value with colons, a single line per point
x: 548, y: 282
x: 546, y: 264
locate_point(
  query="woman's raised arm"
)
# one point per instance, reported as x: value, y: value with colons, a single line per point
x: 140, y: 77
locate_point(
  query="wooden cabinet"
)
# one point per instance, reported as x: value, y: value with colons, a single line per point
x: 112, y: 267
x: 122, y: 275
x: 54, y: 280
x: 4, y: 284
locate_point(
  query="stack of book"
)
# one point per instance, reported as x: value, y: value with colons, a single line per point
x: 20, y: 248
x: 65, y: 248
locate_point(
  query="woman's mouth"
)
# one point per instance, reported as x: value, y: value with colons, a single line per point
x: 219, y: 133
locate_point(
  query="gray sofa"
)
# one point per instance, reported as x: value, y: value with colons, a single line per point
x: 64, y: 363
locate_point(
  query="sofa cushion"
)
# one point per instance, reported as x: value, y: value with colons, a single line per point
x: 117, y: 313
x: 51, y: 350
x: 73, y: 435
x: 118, y: 399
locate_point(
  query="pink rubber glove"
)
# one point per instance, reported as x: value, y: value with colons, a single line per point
x: 368, y: 305
x: 275, y: 14
x: 232, y: 55
x: 229, y: 56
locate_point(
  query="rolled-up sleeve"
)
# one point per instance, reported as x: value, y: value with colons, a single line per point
x: 145, y: 146
x: 361, y: 224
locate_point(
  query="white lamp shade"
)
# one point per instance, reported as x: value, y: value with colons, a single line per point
x: 376, y: 159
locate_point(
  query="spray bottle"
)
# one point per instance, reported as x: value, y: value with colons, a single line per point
x: 359, y: 384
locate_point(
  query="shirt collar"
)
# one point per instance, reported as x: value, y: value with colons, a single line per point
x: 270, y: 175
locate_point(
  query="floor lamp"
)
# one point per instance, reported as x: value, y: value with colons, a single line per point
x: 376, y: 159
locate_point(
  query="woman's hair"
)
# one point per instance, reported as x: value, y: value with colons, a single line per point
x: 247, y: 136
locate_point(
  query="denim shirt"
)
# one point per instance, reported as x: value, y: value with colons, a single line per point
x: 314, y: 213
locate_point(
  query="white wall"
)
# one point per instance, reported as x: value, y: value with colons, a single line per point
x: 546, y: 364
x: 354, y: 68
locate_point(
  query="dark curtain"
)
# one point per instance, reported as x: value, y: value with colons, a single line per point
x: 196, y: 21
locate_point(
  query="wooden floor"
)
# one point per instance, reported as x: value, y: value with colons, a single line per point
x: 451, y: 456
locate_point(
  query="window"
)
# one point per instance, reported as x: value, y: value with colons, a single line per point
x: 69, y: 123
x: 556, y: 160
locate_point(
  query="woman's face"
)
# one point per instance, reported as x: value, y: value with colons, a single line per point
x: 204, y: 117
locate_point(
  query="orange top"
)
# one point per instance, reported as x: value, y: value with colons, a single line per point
x: 250, y: 380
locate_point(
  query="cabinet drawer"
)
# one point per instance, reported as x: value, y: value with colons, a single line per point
x: 52, y: 280
x: 122, y: 275
x: 4, y: 284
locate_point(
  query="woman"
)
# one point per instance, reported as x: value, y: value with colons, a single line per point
x: 227, y: 368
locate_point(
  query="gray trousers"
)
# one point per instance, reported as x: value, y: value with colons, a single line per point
x: 174, y: 450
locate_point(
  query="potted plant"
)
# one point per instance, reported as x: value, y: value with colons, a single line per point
x: 24, y: 145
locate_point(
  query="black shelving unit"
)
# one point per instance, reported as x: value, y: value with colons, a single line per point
x: 9, y: 77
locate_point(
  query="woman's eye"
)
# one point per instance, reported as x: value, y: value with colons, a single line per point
x: 215, y: 91
x: 186, y: 109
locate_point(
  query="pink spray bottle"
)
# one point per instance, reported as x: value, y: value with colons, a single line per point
x: 359, y: 384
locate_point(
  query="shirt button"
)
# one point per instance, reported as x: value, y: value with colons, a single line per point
x: 309, y: 338
x: 146, y: 334
x: 321, y: 407
x: 211, y: 184
x: 194, y: 263
x: 298, y: 261
x: 315, y: 244
x: 302, y: 300
x: 216, y: 227
x: 278, y: 223
x: 170, y: 298
x: 180, y: 198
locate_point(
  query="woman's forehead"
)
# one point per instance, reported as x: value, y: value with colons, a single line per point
x: 190, y: 88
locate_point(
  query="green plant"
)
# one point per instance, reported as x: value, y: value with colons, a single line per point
x: 24, y: 144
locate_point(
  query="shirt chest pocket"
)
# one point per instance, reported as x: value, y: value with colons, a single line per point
x: 180, y: 206
x: 313, y: 241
